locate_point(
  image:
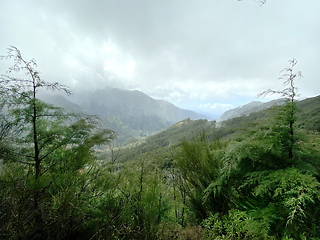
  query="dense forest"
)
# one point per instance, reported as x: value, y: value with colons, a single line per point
x: 253, y: 177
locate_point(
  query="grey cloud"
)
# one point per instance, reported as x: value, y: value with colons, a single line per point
x: 221, y: 49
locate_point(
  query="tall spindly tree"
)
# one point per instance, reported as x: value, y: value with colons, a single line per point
x: 270, y: 175
x: 288, y: 116
x: 41, y: 132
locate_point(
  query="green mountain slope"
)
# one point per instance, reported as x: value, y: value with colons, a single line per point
x: 309, y: 114
x: 186, y: 129
x: 247, y: 109
x: 132, y: 114
x: 308, y: 119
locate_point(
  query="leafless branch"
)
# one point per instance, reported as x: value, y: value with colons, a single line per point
x: 261, y: 2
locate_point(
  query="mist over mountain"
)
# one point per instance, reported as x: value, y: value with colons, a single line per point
x: 133, y: 114
x: 131, y: 103
x: 61, y: 101
x: 130, y: 113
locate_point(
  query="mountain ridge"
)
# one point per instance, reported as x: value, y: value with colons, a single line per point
x: 247, y: 109
x: 131, y: 113
x: 308, y: 118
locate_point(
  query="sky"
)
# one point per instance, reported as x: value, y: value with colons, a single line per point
x: 208, y: 56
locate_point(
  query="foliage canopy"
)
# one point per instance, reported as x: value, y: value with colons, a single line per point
x: 255, y: 177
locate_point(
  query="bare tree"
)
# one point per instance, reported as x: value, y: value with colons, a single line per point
x: 288, y: 77
x: 289, y: 93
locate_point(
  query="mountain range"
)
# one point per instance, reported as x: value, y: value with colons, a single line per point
x: 132, y: 114
x: 135, y: 115
x: 247, y: 109
x: 159, y: 145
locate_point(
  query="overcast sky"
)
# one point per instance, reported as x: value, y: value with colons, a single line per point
x: 206, y: 55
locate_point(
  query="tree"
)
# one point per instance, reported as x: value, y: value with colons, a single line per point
x: 270, y: 174
x: 199, y: 164
x: 288, y: 116
x: 43, y: 135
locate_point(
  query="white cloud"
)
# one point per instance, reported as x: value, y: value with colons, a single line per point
x: 220, y: 106
x: 181, y: 51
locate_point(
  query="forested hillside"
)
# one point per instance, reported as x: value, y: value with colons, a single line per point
x: 132, y: 114
x: 253, y: 177
x: 308, y: 116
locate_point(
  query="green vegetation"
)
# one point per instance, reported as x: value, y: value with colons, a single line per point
x: 253, y: 177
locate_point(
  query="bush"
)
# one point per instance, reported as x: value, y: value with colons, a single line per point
x: 236, y: 225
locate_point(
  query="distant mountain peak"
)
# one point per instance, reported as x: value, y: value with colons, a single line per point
x: 246, y: 109
x: 131, y: 113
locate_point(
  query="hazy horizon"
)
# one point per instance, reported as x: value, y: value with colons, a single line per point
x: 207, y: 56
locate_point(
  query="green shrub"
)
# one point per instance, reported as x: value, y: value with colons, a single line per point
x: 236, y: 225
